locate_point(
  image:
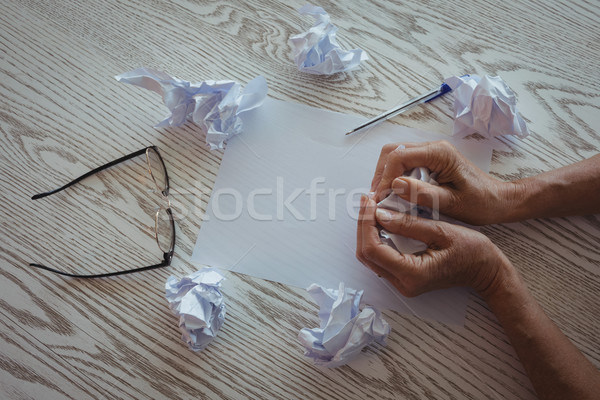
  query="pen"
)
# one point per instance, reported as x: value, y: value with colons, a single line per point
x: 424, y: 98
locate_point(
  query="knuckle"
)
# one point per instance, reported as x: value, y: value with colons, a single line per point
x: 445, y: 145
x: 410, y: 288
x: 398, y: 151
x: 416, y: 282
x: 369, y: 252
x: 362, y: 259
x: 441, y: 230
x: 388, y: 148
x: 358, y: 255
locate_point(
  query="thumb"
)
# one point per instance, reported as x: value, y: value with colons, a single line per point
x: 430, y: 232
x: 421, y: 193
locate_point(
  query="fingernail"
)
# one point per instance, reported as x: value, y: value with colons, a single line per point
x: 371, y: 195
x: 400, y: 186
x: 383, y: 214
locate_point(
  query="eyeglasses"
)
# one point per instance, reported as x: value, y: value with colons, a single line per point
x: 164, y: 226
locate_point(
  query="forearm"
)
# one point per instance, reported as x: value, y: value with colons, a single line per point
x: 567, y: 191
x: 557, y: 369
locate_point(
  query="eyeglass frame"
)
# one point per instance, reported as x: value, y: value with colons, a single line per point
x: 167, y: 256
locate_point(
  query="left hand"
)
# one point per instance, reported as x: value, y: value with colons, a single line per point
x: 456, y: 255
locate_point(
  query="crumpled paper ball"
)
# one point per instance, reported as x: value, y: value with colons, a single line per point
x: 197, y: 300
x: 344, y: 330
x: 396, y: 203
x: 214, y: 105
x: 317, y: 51
x: 486, y: 106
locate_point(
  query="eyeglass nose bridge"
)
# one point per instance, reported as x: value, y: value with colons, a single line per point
x: 166, y: 196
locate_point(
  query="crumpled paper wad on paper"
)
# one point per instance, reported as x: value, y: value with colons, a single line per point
x: 316, y: 51
x: 344, y: 330
x: 197, y: 300
x: 485, y: 105
x: 214, y: 105
x: 396, y: 203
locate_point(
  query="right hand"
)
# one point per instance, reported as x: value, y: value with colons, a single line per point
x: 465, y: 192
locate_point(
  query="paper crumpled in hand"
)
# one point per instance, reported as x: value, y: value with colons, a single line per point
x: 344, y: 330
x: 486, y: 106
x: 197, y: 300
x: 317, y: 51
x: 214, y: 105
x: 396, y: 203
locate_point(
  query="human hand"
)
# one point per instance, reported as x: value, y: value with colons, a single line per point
x: 465, y: 192
x: 456, y: 255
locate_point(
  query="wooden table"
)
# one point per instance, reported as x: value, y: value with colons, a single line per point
x: 63, y: 113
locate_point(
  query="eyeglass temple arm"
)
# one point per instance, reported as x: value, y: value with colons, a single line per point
x: 92, y: 172
x: 166, y: 262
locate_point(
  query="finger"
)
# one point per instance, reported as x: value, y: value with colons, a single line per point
x: 434, y: 155
x: 434, y: 234
x: 368, y: 240
x: 386, y: 261
x: 405, y: 272
x: 366, y: 221
x: 387, y: 149
x: 409, y: 276
x: 390, y: 277
x: 425, y: 194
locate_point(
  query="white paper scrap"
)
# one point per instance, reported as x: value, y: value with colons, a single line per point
x: 396, y: 203
x: 285, y: 204
x: 197, y: 300
x: 317, y: 51
x: 344, y: 330
x: 214, y: 105
x: 485, y: 105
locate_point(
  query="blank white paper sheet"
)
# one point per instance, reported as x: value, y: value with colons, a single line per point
x: 285, y: 204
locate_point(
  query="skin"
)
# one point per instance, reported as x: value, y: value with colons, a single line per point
x: 458, y: 256
x: 468, y: 194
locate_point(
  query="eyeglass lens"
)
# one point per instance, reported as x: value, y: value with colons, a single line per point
x: 165, y: 232
x: 157, y: 170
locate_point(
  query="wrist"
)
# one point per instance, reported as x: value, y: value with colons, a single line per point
x: 513, y: 199
x: 503, y: 286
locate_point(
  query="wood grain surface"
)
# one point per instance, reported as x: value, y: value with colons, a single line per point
x: 62, y: 113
